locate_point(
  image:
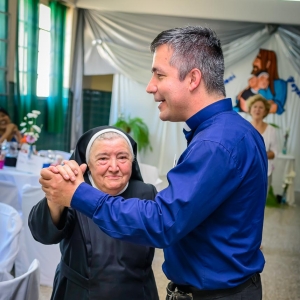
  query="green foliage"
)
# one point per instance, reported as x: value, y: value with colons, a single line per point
x: 274, y: 125
x: 138, y: 129
x: 272, y: 199
x: 122, y: 124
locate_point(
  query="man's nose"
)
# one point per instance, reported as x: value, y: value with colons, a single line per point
x: 151, y: 87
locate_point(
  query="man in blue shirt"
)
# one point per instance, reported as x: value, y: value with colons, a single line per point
x: 209, y: 219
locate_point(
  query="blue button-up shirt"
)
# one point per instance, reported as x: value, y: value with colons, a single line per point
x: 209, y: 219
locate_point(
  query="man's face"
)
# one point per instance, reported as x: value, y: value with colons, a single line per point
x: 168, y: 90
x: 256, y: 65
x: 253, y: 82
x: 263, y: 81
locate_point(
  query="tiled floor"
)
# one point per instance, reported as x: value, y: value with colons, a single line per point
x: 281, y: 247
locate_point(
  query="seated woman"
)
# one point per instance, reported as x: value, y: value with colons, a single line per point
x: 8, y: 130
x: 94, y: 265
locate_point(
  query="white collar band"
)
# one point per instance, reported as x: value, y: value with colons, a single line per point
x: 88, y: 148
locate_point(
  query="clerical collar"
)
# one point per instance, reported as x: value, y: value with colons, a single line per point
x: 204, y: 114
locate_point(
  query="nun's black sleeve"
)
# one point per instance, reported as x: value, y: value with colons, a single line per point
x: 42, y: 227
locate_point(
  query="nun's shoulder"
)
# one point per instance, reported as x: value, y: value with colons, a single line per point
x: 142, y: 190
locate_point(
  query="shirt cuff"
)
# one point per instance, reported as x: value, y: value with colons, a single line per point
x: 85, y: 199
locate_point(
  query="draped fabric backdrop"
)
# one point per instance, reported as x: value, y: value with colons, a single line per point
x: 118, y: 43
x: 27, y: 63
x: 26, y: 60
x: 57, y: 101
x: 76, y: 85
x: 4, y: 20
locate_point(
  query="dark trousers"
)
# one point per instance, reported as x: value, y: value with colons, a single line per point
x: 252, y: 291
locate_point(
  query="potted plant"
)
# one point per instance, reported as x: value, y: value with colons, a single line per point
x: 138, y: 129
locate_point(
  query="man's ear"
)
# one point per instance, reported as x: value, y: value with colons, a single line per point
x: 268, y: 64
x: 195, y: 77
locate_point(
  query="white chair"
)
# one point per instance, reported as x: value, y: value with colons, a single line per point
x: 10, y: 228
x: 150, y: 175
x: 24, y: 287
x: 9, y: 195
x: 47, y: 255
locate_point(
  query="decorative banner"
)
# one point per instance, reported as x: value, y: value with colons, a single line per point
x: 255, y: 74
x: 264, y: 80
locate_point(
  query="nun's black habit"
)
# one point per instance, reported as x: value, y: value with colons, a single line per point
x: 94, y: 265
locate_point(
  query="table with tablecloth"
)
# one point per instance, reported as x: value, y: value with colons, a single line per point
x: 19, y: 178
x: 29, y: 193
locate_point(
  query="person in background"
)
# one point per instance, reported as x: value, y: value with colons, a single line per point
x: 94, y: 265
x: 259, y: 108
x: 8, y: 130
x: 209, y: 219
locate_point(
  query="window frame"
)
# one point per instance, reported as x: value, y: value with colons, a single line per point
x: 40, y: 64
x: 5, y: 40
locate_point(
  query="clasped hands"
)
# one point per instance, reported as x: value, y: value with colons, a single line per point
x: 60, y: 182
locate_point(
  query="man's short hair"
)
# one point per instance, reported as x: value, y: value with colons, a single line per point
x: 195, y: 47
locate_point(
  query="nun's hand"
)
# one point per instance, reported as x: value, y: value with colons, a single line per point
x: 69, y: 170
x: 57, y: 189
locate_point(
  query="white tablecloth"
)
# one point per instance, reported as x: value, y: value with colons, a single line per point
x: 48, y: 255
x: 19, y: 178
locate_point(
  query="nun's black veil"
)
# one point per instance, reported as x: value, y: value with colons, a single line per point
x: 80, y: 151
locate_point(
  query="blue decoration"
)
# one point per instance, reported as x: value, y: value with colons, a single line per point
x: 293, y: 85
x: 229, y: 79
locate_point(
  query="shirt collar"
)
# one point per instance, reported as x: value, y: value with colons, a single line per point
x: 204, y: 114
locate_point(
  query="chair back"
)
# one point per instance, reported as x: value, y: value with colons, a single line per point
x: 9, y: 195
x: 24, y: 287
x: 10, y: 228
x: 150, y: 175
x: 47, y: 255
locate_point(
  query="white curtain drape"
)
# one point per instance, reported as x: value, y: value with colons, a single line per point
x: 76, y: 84
x: 290, y: 118
x: 118, y: 43
x: 123, y: 39
x: 290, y: 36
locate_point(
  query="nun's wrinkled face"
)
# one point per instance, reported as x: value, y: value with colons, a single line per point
x: 110, y: 164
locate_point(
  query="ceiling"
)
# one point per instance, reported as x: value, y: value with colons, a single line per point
x: 265, y: 11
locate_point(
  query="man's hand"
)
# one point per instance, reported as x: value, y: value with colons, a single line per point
x: 69, y: 170
x: 56, y: 188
